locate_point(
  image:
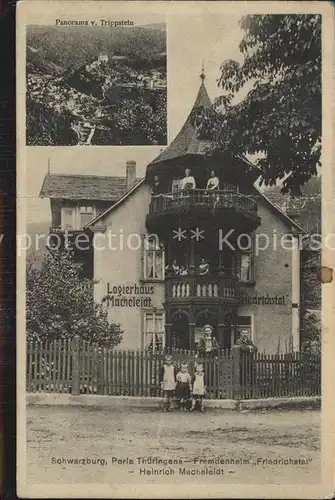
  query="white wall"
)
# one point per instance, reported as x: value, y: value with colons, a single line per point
x: 273, y: 276
x: 118, y: 264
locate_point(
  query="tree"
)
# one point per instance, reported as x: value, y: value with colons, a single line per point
x: 311, y: 284
x: 137, y: 121
x: 47, y: 127
x: 280, y: 118
x: 311, y: 338
x: 310, y: 299
x: 60, y: 303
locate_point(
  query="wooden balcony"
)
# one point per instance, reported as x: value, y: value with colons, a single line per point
x: 197, y: 204
x: 202, y: 289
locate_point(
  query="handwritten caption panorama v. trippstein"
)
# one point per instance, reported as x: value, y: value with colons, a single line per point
x: 107, y: 23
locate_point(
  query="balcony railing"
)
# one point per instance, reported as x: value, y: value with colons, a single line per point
x: 197, y: 198
x: 201, y: 287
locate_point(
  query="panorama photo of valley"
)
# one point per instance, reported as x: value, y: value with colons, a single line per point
x: 89, y: 85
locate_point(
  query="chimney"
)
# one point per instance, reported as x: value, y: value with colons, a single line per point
x: 130, y: 173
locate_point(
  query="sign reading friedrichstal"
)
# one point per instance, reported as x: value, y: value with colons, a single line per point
x: 264, y: 300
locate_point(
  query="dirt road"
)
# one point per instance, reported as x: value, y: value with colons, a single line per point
x: 88, y: 445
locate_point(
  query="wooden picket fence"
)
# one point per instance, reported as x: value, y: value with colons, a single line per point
x: 78, y: 367
x: 280, y: 375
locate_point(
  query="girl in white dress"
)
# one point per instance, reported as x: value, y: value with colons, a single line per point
x: 168, y: 374
x: 198, y: 387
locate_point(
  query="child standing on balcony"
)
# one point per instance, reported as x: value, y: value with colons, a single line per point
x: 198, y: 387
x: 168, y: 374
x: 183, y: 388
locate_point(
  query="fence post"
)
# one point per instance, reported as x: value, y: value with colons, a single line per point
x: 75, y: 366
x: 236, y: 360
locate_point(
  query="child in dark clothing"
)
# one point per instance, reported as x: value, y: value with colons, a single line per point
x: 168, y: 374
x: 183, y: 388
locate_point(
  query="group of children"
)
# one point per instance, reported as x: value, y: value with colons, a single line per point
x: 188, y: 390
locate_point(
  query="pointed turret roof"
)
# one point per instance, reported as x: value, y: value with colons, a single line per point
x: 188, y: 144
x: 187, y: 141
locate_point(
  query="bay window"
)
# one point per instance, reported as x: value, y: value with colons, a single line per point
x: 245, y: 262
x: 153, y: 259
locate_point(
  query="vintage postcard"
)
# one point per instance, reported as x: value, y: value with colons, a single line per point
x: 102, y: 82
x: 175, y: 250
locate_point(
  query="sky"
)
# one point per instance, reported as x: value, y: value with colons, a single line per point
x: 191, y: 39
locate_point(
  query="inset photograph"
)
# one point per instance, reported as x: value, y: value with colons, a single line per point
x: 93, y: 85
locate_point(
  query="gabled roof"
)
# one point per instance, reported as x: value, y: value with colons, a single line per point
x: 277, y: 209
x: 187, y: 141
x: 117, y: 204
x: 83, y: 187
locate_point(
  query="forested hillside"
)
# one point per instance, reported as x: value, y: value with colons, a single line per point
x: 71, y: 47
x: 37, y: 63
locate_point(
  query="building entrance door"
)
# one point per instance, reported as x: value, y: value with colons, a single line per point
x: 180, y: 332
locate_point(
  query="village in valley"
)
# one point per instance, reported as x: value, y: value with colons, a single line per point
x: 110, y: 99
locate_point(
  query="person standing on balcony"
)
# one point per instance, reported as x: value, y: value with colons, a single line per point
x: 183, y: 271
x: 156, y: 186
x: 188, y: 182
x: 213, y: 182
x: 213, y: 185
x: 173, y: 268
